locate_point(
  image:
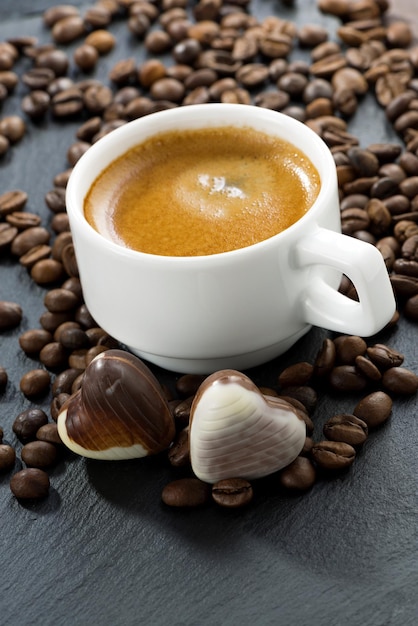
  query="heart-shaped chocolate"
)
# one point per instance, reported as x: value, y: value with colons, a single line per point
x: 119, y: 412
x: 236, y: 431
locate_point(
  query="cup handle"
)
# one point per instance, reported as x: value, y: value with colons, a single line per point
x: 363, y: 264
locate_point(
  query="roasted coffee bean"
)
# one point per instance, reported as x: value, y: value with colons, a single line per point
x: 73, y: 284
x: 348, y: 347
x: 97, y: 16
x: 57, y: 403
x: 64, y: 381
x: 58, y: 300
x: 400, y: 380
x: 10, y: 315
x: 380, y: 217
x: 411, y: 308
x: 232, y: 492
x: 4, y: 145
x: 94, y: 351
x: 325, y: 359
x: 7, y: 234
x: 58, y: 12
x: 9, y: 80
x: 74, y: 339
x: 77, y: 359
x: 32, y: 341
x: 296, y: 375
x: 181, y: 412
x: 409, y: 248
x: 38, y: 78
x: 346, y: 428
x: 83, y: 317
x: 367, y: 368
x: 7, y: 457
x: 27, y: 423
x: 188, y: 384
x: 347, y: 378
x: 54, y: 59
x: 179, y: 453
x: 244, y: 49
x: 47, y: 271
x: 97, y: 98
x: 3, y: 383
x: 67, y: 103
x: 311, y: 35
x: 55, y: 200
x: 53, y: 355
x: 49, y: 433
x: 68, y: 29
x: 76, y: 151
x: 50, y: 321
x: 34, y: 383
x: 375, y: 409
x: 40, y: 454
x: 333, y: 455
x: 28, y: 239
x: 23, y: 219
x: 299, y: 476
x: 384, y: 357
x: 275, y: 100
x: 406, y: 267
x: 167, y: 89
x: 30, y: 484
x: 12, y: 201
x: 304, y: 394
x: 199, y: 95
x: 85, y: 57
x: 300, y: 408
x: 12, y: 127
x: 186, y: 492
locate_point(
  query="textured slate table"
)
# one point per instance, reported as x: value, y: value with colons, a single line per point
x: 102, y: 549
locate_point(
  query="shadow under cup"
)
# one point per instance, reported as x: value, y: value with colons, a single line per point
x: 235, y: 309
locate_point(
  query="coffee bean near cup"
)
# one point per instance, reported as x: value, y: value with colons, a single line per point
x: 255, y: 282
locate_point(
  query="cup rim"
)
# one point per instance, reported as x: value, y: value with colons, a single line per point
x: 124, y: 135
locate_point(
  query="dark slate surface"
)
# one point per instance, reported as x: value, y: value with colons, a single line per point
x: 102, y: 549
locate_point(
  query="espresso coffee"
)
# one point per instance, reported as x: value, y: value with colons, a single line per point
x: 202, y: 192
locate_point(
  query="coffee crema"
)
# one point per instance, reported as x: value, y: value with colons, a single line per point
x: 202, y: 192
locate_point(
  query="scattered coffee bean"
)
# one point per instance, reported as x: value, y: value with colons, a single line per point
x: 36, y: 382
x: 179, y: 453
x: 346, y: 428
x: 49, y: 432
x: 12, y: 201
x: 232, y: 492
x: 374, y: 409
x: 27, y: 423
x: 3, y: 381
x: 186, y: 492
x: 300, y: 475
x: 400, y: 380
x: 41, y: 454
x: 296, y: 375
x: 10, y: 315
x: 30, y: 484
x: 333, y: 455
x: 7, y: 457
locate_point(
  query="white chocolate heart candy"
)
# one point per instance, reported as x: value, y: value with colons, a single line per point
x: 236, y: 431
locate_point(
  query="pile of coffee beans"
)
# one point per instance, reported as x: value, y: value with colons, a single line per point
x: 342, y: 365
x: 196, y: 52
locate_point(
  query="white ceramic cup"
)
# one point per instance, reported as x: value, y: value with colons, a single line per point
x: 236, y: 309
